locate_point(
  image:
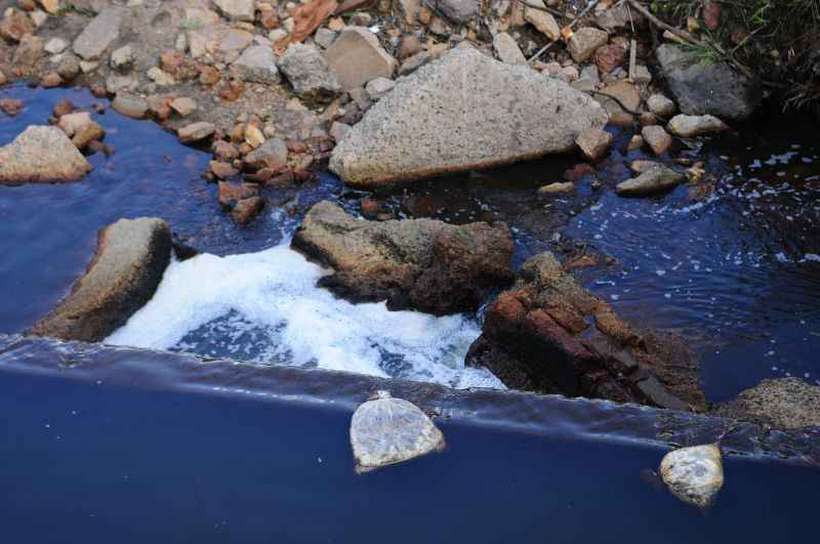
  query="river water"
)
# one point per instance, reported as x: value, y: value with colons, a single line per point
x: 735, y: 270
x: 103, y: 443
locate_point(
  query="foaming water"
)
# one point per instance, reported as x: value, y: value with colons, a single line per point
x: 265, y: 307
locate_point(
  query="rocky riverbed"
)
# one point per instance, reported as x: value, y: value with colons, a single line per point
x: 392, y: 98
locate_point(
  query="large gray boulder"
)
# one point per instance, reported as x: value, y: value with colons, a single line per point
x: 462, y: 112
x: 702, y: 87
x: 41, y: 154
x: 422, y: 264
x: 131, y: 257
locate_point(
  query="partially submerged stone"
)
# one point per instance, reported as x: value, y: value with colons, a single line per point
x: 462, y: 112
x: 784, y: 403
x: 557, y: 187
x: 99, y: 34
x: 129, y: 262
x: 693, y: 474
x: 272, y: 154
x: 651, y: 182
x: 130, y: 105
x: 657, y: 138
x: 41, y: 154
x: 195, y: 132
x: 702, y: 87
x: 594, y: 143
x: 661, y: 105
x: 548, y: 334
x: 689, y: 126
x: 386, y: 430
x: 422, y: 264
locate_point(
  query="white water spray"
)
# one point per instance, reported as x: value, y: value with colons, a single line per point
x: 265, y: 307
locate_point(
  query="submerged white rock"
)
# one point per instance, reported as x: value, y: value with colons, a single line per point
x: 386, y: 430
x: 693, y: 474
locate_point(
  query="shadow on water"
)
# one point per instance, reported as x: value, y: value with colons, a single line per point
x: 189, y: 451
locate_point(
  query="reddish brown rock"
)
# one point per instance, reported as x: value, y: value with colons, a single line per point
x: 550, y: 335
x: 579, y: 171
x: 231, y: 193
x: 180, y: 67
x: 62, y: 107
x: 209, y: 76
x: 248, y: 208
x: 224, y: 151
x: 51, y: 79
x: 223, y: 170
x: 423, y: 264
x: 711, y: 15
x: 86, y: 134
x: 609, y: 57
x: 15, y: 25
x: 11, y: 106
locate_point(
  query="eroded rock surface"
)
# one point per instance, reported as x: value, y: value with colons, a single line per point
x: 131, y: 257
x: 462, y: 112
x: 423, y: 264
x: 785, y: 403
x: 550, y: 335
x: 24, y: 159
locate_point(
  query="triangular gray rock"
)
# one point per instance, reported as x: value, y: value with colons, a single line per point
x: 462, y: 112
x: 41, y: 154
x: 386, y: 430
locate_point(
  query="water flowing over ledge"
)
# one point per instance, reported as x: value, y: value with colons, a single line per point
x: 532, y: 414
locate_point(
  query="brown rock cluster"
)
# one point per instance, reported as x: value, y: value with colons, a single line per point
x: 550, y: 335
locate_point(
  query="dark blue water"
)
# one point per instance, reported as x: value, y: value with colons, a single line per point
x: 737, y: 270
x: 50, y: 230
x: 734, y: 270
x: 91, y: 460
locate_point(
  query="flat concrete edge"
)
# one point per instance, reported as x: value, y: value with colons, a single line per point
x: 546, y: 415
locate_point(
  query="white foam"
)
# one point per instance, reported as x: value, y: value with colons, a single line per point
x: 274, y: 291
